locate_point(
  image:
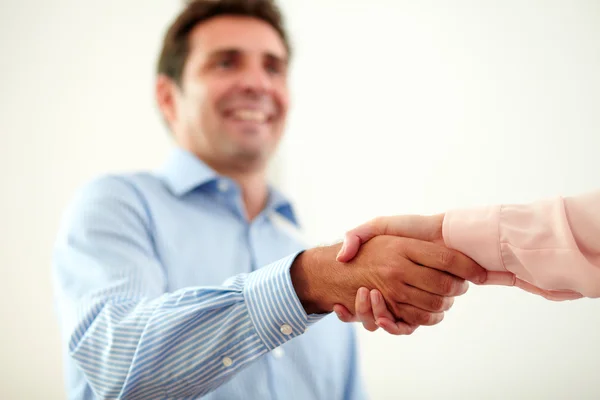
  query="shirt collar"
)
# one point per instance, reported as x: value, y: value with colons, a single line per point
x: 184, y: 172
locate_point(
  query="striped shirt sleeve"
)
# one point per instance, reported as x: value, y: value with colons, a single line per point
x: 133, y: 340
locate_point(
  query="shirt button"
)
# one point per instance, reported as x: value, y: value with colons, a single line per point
x: 222, y: 186
x: 286, y: 329
x: 227, y: 361
x: 278, y: 352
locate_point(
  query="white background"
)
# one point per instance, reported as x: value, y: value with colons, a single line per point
x: 399, y: 107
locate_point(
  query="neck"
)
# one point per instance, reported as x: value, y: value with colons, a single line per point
x: 254, y: 191
x: 252, y: 182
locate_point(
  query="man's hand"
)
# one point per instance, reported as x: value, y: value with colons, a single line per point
x: 416, y: 279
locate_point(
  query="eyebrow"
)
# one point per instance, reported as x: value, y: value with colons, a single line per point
x: 234, y: 52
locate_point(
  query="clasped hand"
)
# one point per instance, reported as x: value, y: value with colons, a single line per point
x: 431, y: 275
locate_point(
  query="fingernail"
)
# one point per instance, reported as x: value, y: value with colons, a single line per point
x: 362, y: 295
x: 341, y: 250
x: 483, y: 277
x: 375, y: 298
x: 339, y: 315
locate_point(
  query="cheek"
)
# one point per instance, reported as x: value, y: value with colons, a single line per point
x: 201, y: 111
x: 283, y: 100
x: 212, y: 98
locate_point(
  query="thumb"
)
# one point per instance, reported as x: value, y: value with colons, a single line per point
x: 349, y: 248
x: 418, y: 227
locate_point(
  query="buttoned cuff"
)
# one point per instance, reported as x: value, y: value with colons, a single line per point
x: 273, y: 304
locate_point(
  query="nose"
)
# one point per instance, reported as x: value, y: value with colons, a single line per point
x: 254, y: 78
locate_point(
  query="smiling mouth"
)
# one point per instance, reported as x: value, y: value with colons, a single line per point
x: 247, y: 115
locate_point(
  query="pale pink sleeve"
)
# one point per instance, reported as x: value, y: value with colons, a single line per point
x: 553, y: 245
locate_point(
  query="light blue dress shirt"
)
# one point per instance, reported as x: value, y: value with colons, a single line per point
x: 164, y: 290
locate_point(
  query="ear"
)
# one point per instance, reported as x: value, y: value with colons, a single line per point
x: 166, y: 98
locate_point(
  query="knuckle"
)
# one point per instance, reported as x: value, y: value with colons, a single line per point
x: 475, y: 271
x: 447, y: 285
x: 379, y: 224
x: 365, y: 317
x: 423, y: 317
x: 389, y: 273
x: 362, y: 311
x: 447, y: 258
x: 437, y: 303
x: 394, y: 277
x: 400, y: 296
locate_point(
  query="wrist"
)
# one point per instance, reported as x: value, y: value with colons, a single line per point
x: 311, y: 274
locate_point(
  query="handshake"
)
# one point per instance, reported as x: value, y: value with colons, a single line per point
x: 394, y: 273
x: 399, y: 273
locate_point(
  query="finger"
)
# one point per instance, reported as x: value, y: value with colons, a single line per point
x: 413, y: 226
x: 441, y: 258
x: 379, y: 306
x: 433, y: 281
x: 344, y: 314
x: 385, y: 319
x: 396, y: 328
x: 349, y: 248
x: 499, y: 278
x: 553, y: 295
x: 416, y: 316
x: 509, y: 279
x: 363, y: 309
x: 422, y: 299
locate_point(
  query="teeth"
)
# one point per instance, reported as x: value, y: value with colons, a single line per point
x: 250, y: 115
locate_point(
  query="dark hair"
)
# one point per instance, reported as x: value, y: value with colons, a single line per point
x: 175, y: 47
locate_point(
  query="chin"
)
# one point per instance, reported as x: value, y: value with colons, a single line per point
x: 248, y: 153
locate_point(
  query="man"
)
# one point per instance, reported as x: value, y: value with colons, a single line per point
x: 549, y: 247
x: 186, y: 282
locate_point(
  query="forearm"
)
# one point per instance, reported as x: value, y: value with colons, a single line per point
x: 186, y: 343
x: 553, y: 244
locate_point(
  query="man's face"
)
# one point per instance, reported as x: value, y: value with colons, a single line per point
x: 233, y: 100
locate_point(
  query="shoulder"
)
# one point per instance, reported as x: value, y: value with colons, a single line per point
x: 122, y: 188
x: 116, y: 197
